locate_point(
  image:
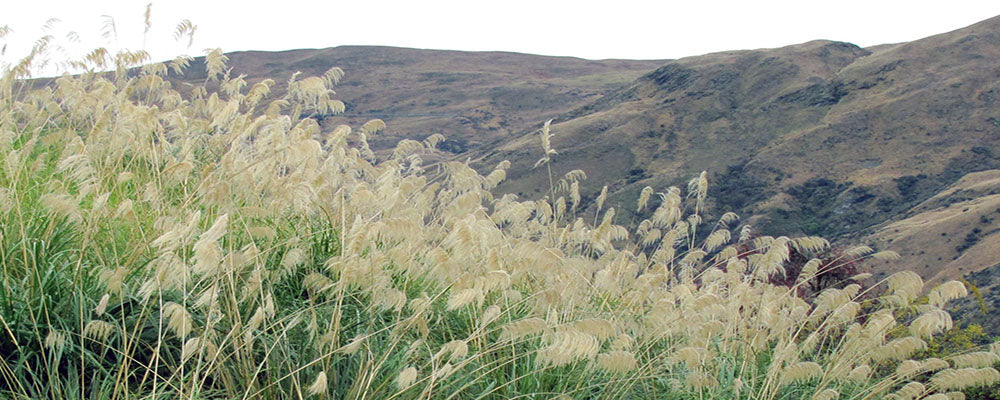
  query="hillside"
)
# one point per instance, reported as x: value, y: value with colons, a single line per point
x: 953, y: 235
x: 192, y: 236
x: 822, y: 138
x: 165, y: 247
x: 470, y: 97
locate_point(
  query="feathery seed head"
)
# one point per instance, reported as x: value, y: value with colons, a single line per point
x: 860, y: 373
x: 801, y: 371
x: 443, y: 371
x: 644, y: 198
x: 62, y: 205
x: 907, y: 368
x: 899, y: 349
x: 827, y: 394
x: 178, y: 319
x: 945, y: 292
x: 406, y: 378
x: 599, y: 328
x: 490, y: 315
x: 353, y: 346
x: 933, y: 364
x: 952, y: 379
x: 464, y: 297
x: 906, y: 284
x: 455, y: 350
x: 931, y: 322
x: 692, y: 356
x: 56, y: 340
x: 617, y: 361
x: 978, y: 359
x: 98, y: 330
x: 102, y: 304
x: 909, y: 391
x: 568, y: 345
x: 319, y: 384
x: 191, y: 347
x: 6, y: 201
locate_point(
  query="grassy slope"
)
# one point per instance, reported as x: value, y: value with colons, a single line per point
x: 160, y: 247
x: 798, y: 113
x: 820, y: 137
x: 952, y: 235
x: 817, y: 137
x: 473, y: 98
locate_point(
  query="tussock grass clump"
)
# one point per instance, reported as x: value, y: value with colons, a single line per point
x: 219, y: 244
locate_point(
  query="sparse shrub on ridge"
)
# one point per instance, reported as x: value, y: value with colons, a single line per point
x: 220, y: 244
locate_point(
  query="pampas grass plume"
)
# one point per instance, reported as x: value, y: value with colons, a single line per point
x: 617, y: 361
x: 827, y: 394
x: 98, y: 330
x: 406, y: 378
x: 319, y: 384
x: 801, y: 371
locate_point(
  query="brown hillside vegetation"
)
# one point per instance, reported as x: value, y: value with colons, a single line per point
x: 470, y: 97
x: 956, y: 230
x: 953, y: 235
x: 822, y: 137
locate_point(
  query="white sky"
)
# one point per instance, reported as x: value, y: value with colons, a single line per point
x: 609, y: 29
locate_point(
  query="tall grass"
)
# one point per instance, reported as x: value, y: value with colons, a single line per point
x: 218, y: 243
